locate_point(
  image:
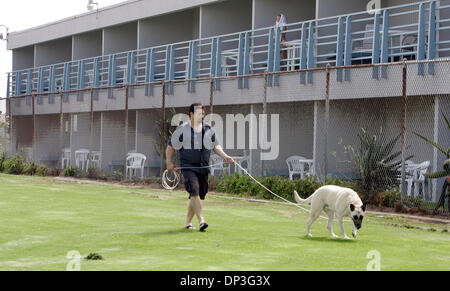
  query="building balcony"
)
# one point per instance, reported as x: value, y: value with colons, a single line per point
x: 417, y: 31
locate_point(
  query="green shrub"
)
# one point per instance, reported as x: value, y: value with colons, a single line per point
x: 3, y: 158
x: 95, y: 174
x: 70, y: 171
x: 352, y: 184
x: 41, y: 171
x: 244, y: 185
x: 14, y: 166
x: 414, y: 202
x: 79, y: 173
x: 307, y: 186
x: 388, y: 198
x: 53, y: 172
x: 117, y: 176
x: 29, y: 169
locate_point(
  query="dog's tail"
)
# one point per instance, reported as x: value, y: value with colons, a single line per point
x: 302, y: 201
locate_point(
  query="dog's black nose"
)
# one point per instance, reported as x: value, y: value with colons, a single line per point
x: 358, y: 226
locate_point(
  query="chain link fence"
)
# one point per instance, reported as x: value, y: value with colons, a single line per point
x: 374, y: 132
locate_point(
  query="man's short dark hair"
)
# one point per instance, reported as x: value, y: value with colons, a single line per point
x: 195, y: 106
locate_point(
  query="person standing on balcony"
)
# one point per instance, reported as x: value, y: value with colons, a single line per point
x: 281, y: 23
x: 194, y: 140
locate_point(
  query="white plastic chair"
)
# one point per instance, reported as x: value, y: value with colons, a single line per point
x: 96, y: 159
x: 419, y: 177
x: 135, y: 161
x: 409, y: 170
x: 301, y: 166
x: 65, y: 159
x: 82, y: 159
x: 217, y: 164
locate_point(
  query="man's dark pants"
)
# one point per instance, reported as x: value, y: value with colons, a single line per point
x: 196, y: 183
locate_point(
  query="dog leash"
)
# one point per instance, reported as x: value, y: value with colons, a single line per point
x: 166, y: 180
x: 271, y: 192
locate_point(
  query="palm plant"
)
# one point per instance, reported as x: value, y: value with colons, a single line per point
x: 376, y: 163
x: 446, y: 166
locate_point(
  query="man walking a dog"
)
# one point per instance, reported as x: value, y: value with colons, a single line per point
x: 194, y: 140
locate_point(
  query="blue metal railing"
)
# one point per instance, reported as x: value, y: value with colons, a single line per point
x: 404, y: 31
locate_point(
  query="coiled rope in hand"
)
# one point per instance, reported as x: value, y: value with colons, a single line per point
x: 171, y: 183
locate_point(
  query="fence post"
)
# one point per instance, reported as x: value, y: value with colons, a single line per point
x: 10, y: 133
x: 126, y: 124
x: 404, y: 100
x: 327, y: 121
x: 61, y: 124
x: 434, y: 191
x: 211, y: 96
x: 264, y: 111
x: 33, y: 127
x: 91, y: 121
x: 163, y: 129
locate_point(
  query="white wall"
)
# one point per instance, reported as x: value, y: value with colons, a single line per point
x: 53, y: 52
x: 266, y: 11
x: 161, y: 30
x: 226, y: 17
x: 328, y: 8
x: 87, y: 45
x: 23, y: 58
x: 120, y: 38
x: 124, y: 12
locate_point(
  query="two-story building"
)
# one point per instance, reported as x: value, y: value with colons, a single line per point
x: 234, y: 45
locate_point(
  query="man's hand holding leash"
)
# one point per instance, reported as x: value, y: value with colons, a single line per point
x: 219, y: 151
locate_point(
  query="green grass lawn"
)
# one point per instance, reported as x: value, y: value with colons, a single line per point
x: 141, y: 229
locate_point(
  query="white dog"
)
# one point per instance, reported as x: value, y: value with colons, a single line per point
x: 334, y: 200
